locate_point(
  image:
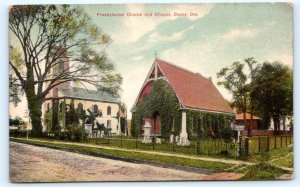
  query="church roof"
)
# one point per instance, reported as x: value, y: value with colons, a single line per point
x: 193, y: 90
x: 82, y: 93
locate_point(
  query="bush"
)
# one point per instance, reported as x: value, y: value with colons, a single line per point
x: 17, y: 133
x: 225, y: 153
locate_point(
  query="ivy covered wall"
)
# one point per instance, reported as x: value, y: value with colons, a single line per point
x: 162, y: 99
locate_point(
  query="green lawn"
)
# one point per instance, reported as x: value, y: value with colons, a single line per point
x: 281, y: 157
x: 268, y: 163
x: 262, y: 171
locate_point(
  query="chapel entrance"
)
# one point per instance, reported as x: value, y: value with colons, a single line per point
x: 156, y: 123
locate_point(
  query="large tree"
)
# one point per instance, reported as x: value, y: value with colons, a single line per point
x: 273, y: 92
x: 235, y: 81
x: 44, y: 36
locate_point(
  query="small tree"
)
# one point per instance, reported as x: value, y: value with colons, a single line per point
x: 71, y: 115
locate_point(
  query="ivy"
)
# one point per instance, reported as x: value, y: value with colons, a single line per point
x: 162, y: 99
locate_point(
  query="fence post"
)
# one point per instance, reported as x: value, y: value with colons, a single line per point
x: 240, y: 147
x: 197, y: 145
x: 153, y: 142
x: 258, y: 144
x: 247, y: 146
x: 136, y: 138
x: 268, y: 143
x: 286, y: 141
x: 275, y: 144
x: 280, y: 141
x: 121, y: 140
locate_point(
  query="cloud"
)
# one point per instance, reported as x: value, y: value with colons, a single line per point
x: 134, y: 27
x: 238, y: 33
x: 157, y: 37
x: 138, y: 58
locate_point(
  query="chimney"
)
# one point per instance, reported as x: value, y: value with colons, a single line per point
x: 210, y: 78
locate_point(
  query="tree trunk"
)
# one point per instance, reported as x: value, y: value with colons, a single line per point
x: 34, y: 103
x: 251, y: 123
x: 35, y: 114
x: 283, y: 119
x: 276, y: 121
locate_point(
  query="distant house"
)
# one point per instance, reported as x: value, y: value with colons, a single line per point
x: 239, y: 118
x: 193, y: 91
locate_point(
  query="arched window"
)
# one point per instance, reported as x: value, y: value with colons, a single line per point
x: 108, y: 110
x: 95, y: 109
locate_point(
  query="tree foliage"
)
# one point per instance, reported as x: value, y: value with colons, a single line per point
x: 46, y: 36
x: 265, y: 90
x: 273, y: 92
x: 15, y: 121
x: 237, y: 80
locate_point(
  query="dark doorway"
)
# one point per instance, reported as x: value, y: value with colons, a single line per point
x: 157, y: 123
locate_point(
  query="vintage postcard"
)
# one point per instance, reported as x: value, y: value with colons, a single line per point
x: 151, y: 92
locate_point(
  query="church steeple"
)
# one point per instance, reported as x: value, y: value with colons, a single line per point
x: 61, y: 67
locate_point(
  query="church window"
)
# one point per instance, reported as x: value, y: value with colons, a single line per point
x: 96, y: 110
x: 108, y: 110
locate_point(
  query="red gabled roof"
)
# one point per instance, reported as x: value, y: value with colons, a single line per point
x: 193, y: 90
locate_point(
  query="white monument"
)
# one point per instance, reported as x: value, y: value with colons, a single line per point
x: 147, y: 138
x: 183, y: 141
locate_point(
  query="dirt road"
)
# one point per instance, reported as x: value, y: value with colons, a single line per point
x: 38, y: 164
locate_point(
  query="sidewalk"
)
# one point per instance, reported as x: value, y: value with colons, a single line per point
x: 228, y: 161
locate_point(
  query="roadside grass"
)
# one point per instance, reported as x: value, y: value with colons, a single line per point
x: 262, y: 171
x: 286, y: 161
x: 281, y: 157
x: 217, y: 166
x: 268, y: 164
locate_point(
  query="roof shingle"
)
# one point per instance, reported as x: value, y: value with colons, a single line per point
x: 88, y: 94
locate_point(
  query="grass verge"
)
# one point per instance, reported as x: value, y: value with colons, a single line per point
x: 281, y: 157
x: 217, y: 166
x: 262, y: 171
